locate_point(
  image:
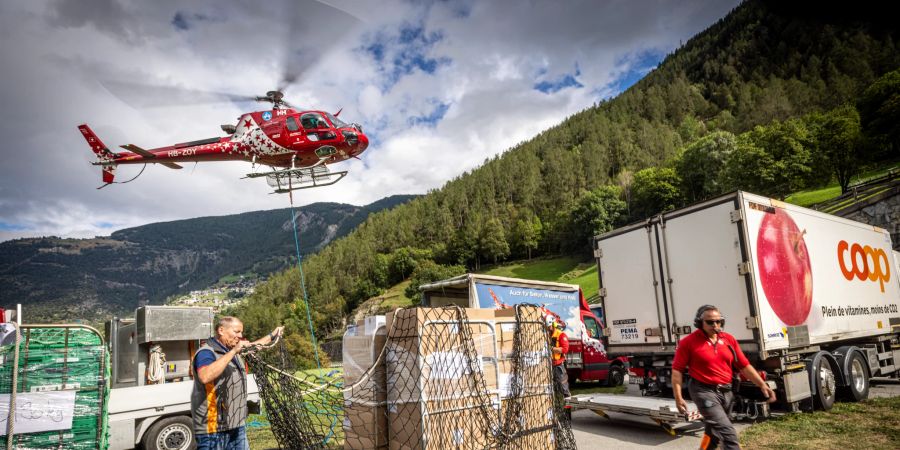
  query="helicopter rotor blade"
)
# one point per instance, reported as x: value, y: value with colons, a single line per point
x: 311, y: 32
x: 143, y: 95
x: 313, y: 27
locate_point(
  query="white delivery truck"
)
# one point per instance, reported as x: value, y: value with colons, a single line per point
x: 811, y: 298
x: 151, y: 384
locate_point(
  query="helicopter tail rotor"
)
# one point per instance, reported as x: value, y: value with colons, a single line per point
x: 104, y: 155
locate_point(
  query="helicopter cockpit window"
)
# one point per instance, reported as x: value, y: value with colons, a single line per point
x: 338, y: 123
x: 311, y: 121
x: 292, y: 124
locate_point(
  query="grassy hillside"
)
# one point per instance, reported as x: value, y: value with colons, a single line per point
x: 810, y: 197
x: 566, y: 269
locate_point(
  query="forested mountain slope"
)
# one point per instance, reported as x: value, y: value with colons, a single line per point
x: 68, y: 279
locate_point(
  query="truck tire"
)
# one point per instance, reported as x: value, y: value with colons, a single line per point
x: 857, y: 377
x: 823, y: 376
x: 171, y: 433
x: 615, y: 377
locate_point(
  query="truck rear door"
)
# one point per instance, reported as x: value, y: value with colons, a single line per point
x: 706, y: 261
x: 633, y: 297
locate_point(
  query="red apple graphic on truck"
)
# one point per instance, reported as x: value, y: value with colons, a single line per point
x: 784, y: 267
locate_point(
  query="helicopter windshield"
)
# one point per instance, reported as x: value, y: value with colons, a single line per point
x: 338, y: 123
x: 311, y: 121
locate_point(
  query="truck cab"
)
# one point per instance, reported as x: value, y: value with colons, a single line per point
x: 587, y: 359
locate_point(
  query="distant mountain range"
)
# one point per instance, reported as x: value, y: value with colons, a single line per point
x: 90, y: 279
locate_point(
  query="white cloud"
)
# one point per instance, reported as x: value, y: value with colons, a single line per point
x: 487, y: 58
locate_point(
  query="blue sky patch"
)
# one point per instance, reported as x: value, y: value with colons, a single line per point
x: 401, y: 53
x: 104, y: 224
x: 433, y: 118
x: 638, y: 65
x: 6, y: 226
x: 565, y: 81
x: 376, y: 50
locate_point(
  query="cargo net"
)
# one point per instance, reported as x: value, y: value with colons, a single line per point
x: 434, y: 378
x: 60, y: 389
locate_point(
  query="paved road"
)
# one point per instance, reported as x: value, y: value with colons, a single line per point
x: 622, y: 431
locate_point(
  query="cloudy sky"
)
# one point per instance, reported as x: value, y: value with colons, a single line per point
x: 437, y: 86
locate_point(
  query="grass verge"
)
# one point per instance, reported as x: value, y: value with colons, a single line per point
x: 261, y: 438
x: 594, y: 388
x: 870, y: 424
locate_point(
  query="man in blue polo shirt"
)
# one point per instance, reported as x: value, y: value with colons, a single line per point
x: 219, y: 398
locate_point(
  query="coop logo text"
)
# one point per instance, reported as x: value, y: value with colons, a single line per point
x: 863, y: 263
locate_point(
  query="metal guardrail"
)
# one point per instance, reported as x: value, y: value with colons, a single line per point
x: 860, y: 192
x: 891, y: 174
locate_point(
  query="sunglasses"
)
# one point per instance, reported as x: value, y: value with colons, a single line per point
x: 714, y: 322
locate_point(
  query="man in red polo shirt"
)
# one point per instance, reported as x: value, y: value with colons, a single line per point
x: 709, y: 353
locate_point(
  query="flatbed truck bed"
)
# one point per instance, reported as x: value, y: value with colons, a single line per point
x: 661, y: 410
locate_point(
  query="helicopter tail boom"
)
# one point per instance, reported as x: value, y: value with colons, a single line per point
x: 102, y: 151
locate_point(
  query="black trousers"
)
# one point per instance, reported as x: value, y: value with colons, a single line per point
x: 561, y: 380
x: 714, y: 404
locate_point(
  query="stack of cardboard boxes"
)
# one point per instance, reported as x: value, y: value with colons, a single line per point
x: 447, y: 385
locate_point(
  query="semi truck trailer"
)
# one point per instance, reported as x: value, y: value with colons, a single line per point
x: 811, y: 298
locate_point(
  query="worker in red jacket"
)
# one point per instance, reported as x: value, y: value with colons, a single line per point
x: 713, y: 358
x: 559, y: 346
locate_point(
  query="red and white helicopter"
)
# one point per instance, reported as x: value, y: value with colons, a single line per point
x: 298, y: 145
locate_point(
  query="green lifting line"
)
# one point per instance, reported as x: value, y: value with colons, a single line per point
x: 303, y: 284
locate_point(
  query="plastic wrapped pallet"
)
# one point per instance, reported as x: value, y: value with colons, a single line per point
x: 64, y: 362
x: 361, y: 347
x: 365, y: 416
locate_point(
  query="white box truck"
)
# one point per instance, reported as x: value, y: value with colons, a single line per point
x: 811, y: 298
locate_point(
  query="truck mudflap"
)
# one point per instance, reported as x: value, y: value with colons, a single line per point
x: 661, y: 410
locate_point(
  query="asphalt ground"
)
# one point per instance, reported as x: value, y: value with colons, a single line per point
x: 624, y: 431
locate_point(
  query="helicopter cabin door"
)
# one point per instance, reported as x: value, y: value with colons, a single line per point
x: 318, y: 129
x: 293, y: 130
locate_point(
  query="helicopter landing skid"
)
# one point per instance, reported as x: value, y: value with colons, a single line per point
x: 287, y: 180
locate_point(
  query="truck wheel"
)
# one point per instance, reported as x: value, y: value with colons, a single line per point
x: 171, y: 433
x: 857, y: 379
x: 825, y: 385
x: 615, y: 377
